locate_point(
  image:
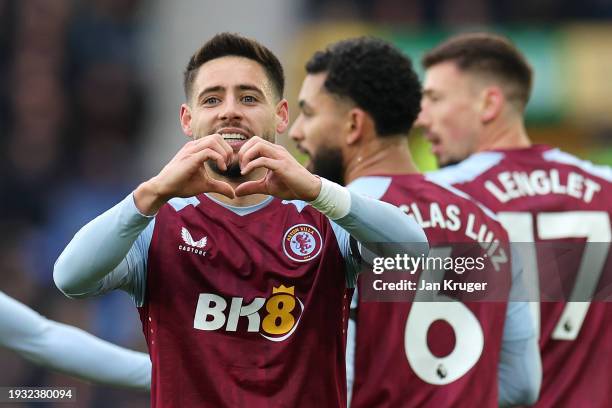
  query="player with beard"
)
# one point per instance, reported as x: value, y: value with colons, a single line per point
x: 243, y: 290
x: 475, y: 92
x: 358, y: 102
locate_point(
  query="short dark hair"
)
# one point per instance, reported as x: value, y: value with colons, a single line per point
x: 376, y: 76
x: 486, y: 53
x: 229, y: 44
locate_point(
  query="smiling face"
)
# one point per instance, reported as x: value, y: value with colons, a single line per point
x: 450, y: 113
x: 233, y: 96
x: 320, y: 127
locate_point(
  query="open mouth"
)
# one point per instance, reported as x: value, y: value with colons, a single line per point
x: 303, y: 150
x: 433, y: 140
x: 308, y: 159
x: 234, y: 136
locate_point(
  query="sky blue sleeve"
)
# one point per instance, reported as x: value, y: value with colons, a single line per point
x: 380, y: 229
x: 68, y: 349
x: 520, y: 366
x: 351, y: 335
x: 110, y: 252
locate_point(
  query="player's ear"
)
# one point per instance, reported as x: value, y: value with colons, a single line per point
x: 492, y: 104
x: 282, y: 116
x: 185, y: 118
x: 356, y: 124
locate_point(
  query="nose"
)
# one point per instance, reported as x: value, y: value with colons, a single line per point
x: 230, y: 110
x: 295, y: 133
x: 422, y: 120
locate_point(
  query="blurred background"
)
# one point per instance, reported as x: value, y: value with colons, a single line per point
x: 89, y: 98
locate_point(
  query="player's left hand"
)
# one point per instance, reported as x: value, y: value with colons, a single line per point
x: 285, y: 178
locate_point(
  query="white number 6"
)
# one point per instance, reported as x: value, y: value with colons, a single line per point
x: 469, y: 338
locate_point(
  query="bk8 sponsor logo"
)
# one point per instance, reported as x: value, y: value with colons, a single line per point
x: 281, y: 313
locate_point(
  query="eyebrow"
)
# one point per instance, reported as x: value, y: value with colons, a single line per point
x: 242, y: 87
x: 247, y: 87
x: 211, y: 89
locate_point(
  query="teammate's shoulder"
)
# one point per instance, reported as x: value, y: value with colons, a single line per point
x: 467, y: 170
x: 466, y: 199
x: 558, y: 156
x: 446, y: 187
x: 371, y: 186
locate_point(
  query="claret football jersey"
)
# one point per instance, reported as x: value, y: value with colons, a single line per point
x: 557, y: 207
x: 246, y: 310
x: 443, y: 352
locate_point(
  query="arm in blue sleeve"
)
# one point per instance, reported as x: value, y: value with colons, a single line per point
x: 520, y: 366
x: 380, y: 229
x: 383, y: 228
x: 102, y: 255
x: 351, y: 335
x: 70, y: 350
x: 351, y: 346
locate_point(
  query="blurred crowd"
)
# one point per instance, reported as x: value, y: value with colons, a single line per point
x: 71, y: 110
x: 452, y: 12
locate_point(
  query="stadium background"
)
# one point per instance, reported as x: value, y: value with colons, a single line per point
x: 89, y: 96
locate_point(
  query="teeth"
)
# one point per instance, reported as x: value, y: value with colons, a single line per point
x: 234, y: 136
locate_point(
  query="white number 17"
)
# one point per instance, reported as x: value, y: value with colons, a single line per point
x: 592, y: 225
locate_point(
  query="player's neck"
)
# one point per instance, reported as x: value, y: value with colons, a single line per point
x: 383, y: 155
x: 508, y: 135
x: 244, y: 201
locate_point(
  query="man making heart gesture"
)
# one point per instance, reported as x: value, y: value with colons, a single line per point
x: 240, y: 261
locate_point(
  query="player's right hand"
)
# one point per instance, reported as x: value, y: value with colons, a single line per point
x: 186, y: 176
